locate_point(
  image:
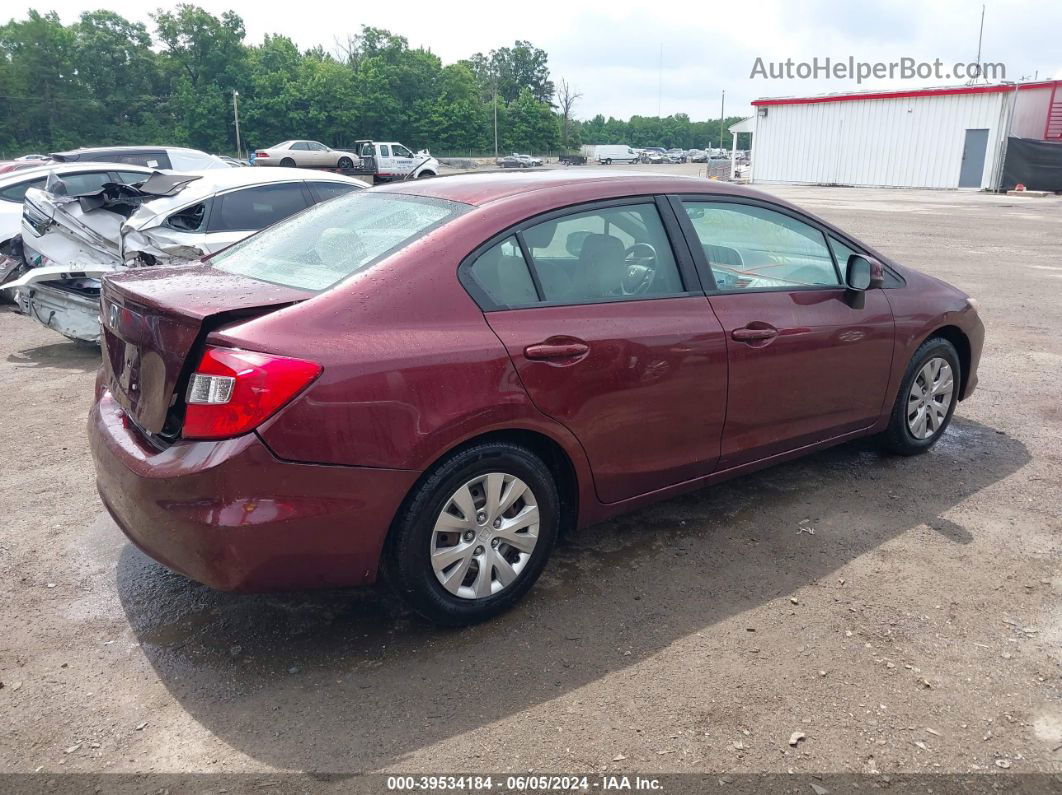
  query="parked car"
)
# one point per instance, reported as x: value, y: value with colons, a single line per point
x: 72, y: 237
x: 176, y: 158
x: 511, y: 161
x: 697, y: 156
x: 79, y: 177
x: 445, y: 376
x: 7, y: 166
x: 33, y: 157
x: 676, y: 155
x: 653, y: 154
x: 518, y: 161
x: 305, y: 154
x: 232, y: 161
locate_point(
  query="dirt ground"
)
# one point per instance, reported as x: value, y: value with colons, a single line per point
x: 914, y: 625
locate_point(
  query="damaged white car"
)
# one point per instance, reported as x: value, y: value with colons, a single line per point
x: 70, y: 240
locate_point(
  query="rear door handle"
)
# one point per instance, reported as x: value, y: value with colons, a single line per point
x: 753, y: 334
x: 556, y: 350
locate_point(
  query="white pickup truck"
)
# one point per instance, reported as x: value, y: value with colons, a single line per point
x: 386, y: 161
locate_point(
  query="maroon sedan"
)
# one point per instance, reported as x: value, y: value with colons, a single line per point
x: 438, y: 377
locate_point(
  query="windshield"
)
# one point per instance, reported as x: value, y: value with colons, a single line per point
x: 335, y: 239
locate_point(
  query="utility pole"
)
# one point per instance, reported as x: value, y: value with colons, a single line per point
x: 236, y: 116
x: 980, y: 35
x: 495, y: 118
x: 722, y: 105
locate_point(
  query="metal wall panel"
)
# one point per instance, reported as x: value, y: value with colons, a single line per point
x: 1030, y: 112
x: 902, y: 142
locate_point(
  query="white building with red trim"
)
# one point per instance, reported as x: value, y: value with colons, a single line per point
x: 953, y: 137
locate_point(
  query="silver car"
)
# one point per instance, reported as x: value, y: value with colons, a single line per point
x: 312, y: 154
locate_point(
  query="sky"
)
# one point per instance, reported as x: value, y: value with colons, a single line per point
x: 629, y: 58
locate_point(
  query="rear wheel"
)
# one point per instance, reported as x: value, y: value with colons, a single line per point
x: 926, y: 400
x: 608, y: 161
x: 475, y: 535
x: 345, y: 162
x: 287, y: 162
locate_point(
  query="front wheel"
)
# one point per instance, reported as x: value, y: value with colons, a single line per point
x: 608, y: 161
x: 927, y: 398
x: 473, y: 537
x: 425, y: 175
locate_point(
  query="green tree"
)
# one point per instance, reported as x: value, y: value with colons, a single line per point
x: 43, y: 105
x: 119, y: 72
x: 205, y: 60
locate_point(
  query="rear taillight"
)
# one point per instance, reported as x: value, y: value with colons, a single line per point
x: 261, y: 154
x: 232, y: 392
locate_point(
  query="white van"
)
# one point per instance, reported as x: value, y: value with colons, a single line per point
x: 615, y: 153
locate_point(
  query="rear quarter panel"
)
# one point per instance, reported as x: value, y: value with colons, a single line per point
x: 411, y: 368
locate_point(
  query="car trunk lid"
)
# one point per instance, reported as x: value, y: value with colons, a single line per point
x: 154, y: 321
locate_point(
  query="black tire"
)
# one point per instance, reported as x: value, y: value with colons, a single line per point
x: 287, y: 162
x: 425, y: 174
x: 407, y: 557
x: 345, y: 162
x: 608, y: 161
x: 897, y: 438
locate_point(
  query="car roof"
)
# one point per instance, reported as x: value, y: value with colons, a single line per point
x: 213, y: 180
x: 479, y: 189
x: 90, y: 149
x: 65, y: 168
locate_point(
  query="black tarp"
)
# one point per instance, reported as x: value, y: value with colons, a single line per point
x: 1035, y: 164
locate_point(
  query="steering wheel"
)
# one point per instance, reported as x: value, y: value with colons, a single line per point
x: 640, y: 261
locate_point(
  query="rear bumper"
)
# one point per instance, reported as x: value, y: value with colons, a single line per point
x: 232, y: 516
x: 70, y: 313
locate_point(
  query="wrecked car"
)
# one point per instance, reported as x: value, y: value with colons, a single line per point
x: 70, y: 238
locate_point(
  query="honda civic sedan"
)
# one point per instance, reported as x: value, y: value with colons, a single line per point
x: 434, y: 380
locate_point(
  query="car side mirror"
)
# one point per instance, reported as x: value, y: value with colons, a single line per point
x: 863, y: 273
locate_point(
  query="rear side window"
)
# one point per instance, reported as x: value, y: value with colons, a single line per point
x: 610, y: 254
x: 149, y: 159
x: 131, y: 177
x: 501, y: 274
x: 329, y: 190
x: 753, y: 248
x: 16, y: 193
x: 78, y: 184
x: 190, y: 219
x: 335, y: 239
x: 251, y: 209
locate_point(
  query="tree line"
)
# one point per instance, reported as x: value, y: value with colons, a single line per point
x: 106, y: 80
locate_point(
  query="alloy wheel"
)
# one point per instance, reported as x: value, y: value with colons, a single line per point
x: 484, y: 536
x: 930, y: 398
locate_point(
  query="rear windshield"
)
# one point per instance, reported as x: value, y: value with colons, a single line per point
x: 335, y: 239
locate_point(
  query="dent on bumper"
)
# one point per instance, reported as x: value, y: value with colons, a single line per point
x: 71, y: 314
x: 232, y: 516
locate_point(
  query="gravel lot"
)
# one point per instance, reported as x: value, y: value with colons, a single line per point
x: 917, y: 628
